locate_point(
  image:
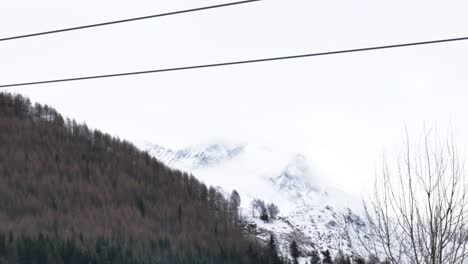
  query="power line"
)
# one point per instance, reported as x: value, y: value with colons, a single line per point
x: 236, y: 62
x: 125, y: 20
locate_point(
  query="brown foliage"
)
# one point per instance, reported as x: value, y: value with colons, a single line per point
x: 62, y: 179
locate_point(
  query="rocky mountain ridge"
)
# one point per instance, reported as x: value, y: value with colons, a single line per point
x: 318, y: 218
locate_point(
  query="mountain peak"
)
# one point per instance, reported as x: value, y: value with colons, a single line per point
x: 314, y: 215
x: 195, y: 157
x: 254, y: 171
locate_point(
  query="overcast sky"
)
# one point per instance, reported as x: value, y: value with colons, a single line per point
x: 342, y: 111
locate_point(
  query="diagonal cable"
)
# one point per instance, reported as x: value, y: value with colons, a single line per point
x: 237, y: 62
x: 124, y: 20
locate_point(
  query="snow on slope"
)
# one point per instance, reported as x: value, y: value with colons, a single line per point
x: 316, y: 228
x: 315, y: 215
x: 255, y: 172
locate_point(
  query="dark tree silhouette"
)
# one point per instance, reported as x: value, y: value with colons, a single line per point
x: 259, y: 207
x: 273, y: 210
x: 273, y: 251
x: 294, y: 249
x: 327, y: 259
x: 314, y: 258
x: 341, y: 258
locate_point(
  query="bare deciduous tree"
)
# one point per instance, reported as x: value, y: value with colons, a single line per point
x: 417, y: 213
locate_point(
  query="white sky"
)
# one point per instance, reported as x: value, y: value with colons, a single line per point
x: 342, y: 111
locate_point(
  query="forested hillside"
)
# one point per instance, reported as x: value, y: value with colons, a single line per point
x: 69, y: 194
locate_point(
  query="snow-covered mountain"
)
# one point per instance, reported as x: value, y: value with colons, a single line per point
x: 317, y: 216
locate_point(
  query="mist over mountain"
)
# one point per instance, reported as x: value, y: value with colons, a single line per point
x: 282, y: 177
x: 317, y: 216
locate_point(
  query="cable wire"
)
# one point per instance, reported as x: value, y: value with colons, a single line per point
x: 236, y: 62
x: 125, y: 20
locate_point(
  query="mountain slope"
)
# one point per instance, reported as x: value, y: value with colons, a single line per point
x: 318, y: 217
x: 72, y: 195
x: 279, y: 177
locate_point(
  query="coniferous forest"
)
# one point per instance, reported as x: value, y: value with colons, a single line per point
x: 69, y: 194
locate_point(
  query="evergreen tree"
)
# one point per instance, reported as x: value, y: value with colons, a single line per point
x: 315, y: 258
x: 340, y: 258
x: 373, y: 260
x: 3, y: 245
x: 273, y: 210
x: 234, y: 203
x: 258, y: 206
x: 273, y: 251
x: 235, y: 200
x: 327, y: 259
x: 294, y: 250
x: 359, y: 260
